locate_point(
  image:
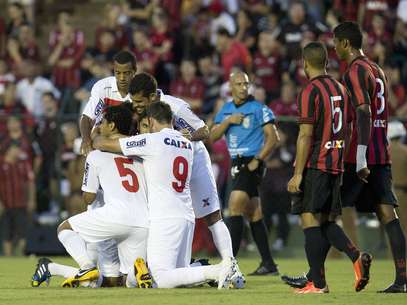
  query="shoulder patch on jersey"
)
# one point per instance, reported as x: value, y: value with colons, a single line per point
x: 181, y: 124
x: 99, y: 107
x: 86, y: 174
x: 140, y: 143
x: 177, y: 143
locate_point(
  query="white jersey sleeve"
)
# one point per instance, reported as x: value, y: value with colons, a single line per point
x: 91, y: 176
x: 94, y: 107
x: 183, y: 115
x: 140, y: 145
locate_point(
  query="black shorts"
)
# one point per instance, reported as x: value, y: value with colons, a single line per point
x: 14, y: 224
x: 245, y: 180
x: 320, y: 194
x: 366, y: 196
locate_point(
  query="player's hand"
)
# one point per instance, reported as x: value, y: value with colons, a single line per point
x: 86, y: 147
x: 363, y: 174
x: 236, y: 118
x: 253, y: 165
x: 294, y: 184
x: 185, y: 133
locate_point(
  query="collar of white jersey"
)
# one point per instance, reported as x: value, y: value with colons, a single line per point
x: 116, y: 89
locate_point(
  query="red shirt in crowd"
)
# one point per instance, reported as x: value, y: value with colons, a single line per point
x: 267, y: 71
x: 236, y: 55
x: 157, y: 39
x: 193, y: 90
x: 144, y: 56
x: 14, y: 181
x: 281, y: 108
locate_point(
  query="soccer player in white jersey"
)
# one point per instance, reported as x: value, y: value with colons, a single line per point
x: 109, y: 91
x: 168, y: 160
x: 124, y: 217
x: 205, y: 200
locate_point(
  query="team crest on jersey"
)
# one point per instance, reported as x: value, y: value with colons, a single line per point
x: 181, y: 124
x: 246, y: 122
x: 140, y: 143
x: 99, y: 107
x: 86, y: 174
x: 176, y: 143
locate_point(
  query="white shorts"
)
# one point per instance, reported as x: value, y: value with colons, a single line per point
x: 93, y: 226
x: 169, y: 244
x: 204, y: 193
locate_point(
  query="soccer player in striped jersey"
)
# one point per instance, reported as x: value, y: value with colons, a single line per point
x: 323, y: 107
x: 368, y: 180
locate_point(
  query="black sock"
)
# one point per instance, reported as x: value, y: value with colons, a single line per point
x: 337, y: 238
x: 235, y: 225
x: 398, y: 249
x: 325, y: 246
x: 260, y: 237
x: 313, y: 242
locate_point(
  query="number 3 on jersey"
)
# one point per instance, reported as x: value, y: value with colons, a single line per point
x: 180, y: 172
x: 131, y: 185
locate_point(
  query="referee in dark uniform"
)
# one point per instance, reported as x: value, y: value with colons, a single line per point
x: 251, y: 134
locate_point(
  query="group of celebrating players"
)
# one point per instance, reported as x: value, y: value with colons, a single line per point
x: 148, y: 176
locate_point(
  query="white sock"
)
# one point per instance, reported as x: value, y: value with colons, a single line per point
x: 62, y: 270
x: 76, y: 247
x: 221, y: 238
x: 99, y: 282
x: 131, y: 281
x: 92, y: 250
x: 186, y: 276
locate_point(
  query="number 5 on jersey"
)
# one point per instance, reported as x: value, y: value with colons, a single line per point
x: 131, y: 185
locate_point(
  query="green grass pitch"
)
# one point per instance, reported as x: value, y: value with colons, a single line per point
x: 15, y: 274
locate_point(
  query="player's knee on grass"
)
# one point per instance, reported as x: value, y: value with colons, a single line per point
x: 385, y: 213
x: 65, y: 225
x: 213, y: 218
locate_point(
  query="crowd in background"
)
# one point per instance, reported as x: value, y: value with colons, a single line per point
x: 191, y: 47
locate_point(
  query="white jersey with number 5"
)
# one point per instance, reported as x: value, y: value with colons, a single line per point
x: 123, y: 182
x: 167, y: 159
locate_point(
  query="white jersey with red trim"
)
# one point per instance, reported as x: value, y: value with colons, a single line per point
x: 167, y: 160
x: 104, y: 93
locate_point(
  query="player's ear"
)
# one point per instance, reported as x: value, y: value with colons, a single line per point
x: 152, y: 97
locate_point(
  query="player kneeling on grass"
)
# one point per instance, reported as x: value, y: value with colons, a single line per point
x: 167, y: 159
x: 123, y: 218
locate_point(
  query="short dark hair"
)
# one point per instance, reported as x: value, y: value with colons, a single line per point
x: 160, y: 111
x: 125, y: 57
x: 121, y: 116
x: 143, y: 83
x: 315, y: 54
x: 224, y: 32
x: 351, y: 31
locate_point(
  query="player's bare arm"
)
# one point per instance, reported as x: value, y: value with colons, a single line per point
x: 219, y: 129
x: 85, y: 127
x: 271, y: 138
x: 363, y: 125
x: 303, y: 148
x: 200, y: 134
x: 106, y: 144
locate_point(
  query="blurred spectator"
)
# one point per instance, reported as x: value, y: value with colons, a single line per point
x: 17, y: 198
x: 67, y: 46
x: 15, y: 135
x: 9, y: 105
x: 188, y: 86
x: 31, y: 88
x: 110, y: 24
x: 379, y: 40
x: 397, y: 97
x: 3, y: 37
x: 139, y: 11
x: 200, y: 32
x: 23, y: 47
x: 267, y: 64
x: 72, y: 169
x: 369, y: 8
x: 246, y: 30
x: 212, y: 81
x: 295, y: 27
x: 285, y: 105
x: 106, y: 47
x: 260, y: 94
x: 233, y: 53
x: 46, y: 134
x: 221, y: 20
x: 5, y: 76
x: 347, y: 10
x: 400, y: 48
x: 269, y: 22
x: 17, y: 17
x: 144, y: 52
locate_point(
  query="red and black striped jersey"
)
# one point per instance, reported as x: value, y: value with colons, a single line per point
x: 367, y: 84
x: 324, y: 103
